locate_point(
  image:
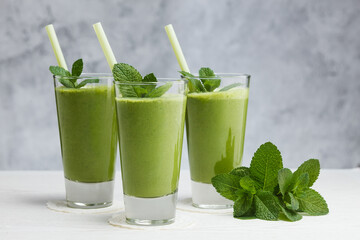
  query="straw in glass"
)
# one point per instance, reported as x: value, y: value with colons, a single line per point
x: 56, y: 46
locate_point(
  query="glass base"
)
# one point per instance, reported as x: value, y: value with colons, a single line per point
x: 89, y: 195
x: 150, y: 211
x: 150, y: 222
x: 204, y: 195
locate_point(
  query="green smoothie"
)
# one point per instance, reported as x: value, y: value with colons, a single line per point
x: 215, y: 124
x: 88, y: 134
x: 151, y: 137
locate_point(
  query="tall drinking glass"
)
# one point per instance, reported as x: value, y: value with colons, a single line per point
x: 151, y: 136
x: 88, y: 137
x: 215, y: 127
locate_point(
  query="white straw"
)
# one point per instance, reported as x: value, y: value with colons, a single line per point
x: 56, y: 46
x: 105, y: 45
x: 176, y: 47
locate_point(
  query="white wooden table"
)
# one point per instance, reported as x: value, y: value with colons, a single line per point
x: 24, y: 215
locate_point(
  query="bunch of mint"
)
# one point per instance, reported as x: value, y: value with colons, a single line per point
x: 208, y: 81
x: 268, y: 191
x: 68, y: 79
x: 126, y: 73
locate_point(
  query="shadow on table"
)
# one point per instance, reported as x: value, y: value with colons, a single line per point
x: 40, y: 199
x: 185, y: 201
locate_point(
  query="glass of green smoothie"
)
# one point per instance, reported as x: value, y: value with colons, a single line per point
x: 215, y: 127
x: 88, y: 136
x: 150, y: 137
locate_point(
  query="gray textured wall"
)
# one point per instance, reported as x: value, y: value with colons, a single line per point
x: 304, y: 58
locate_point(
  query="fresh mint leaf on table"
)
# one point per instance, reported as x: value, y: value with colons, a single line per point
x: 268, y: 191
x: 266, y: 207
x: 227, y: 185
x: 69, y: 80
x: 312, y: 203
x: 265, y: 166
x: 240, y: 171
x: 312, y: 167
x: 126, y: 73
x: 208, y: 81
x: 243, y: 203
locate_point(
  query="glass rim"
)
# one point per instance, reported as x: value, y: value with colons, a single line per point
x: 160, y: 80
x: 87, y: 76
x: 222, y: 76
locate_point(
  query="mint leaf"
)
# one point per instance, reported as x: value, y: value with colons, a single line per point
x: 248, y: 184
x: 126, y: 73
x: 292, y: 203
x: 240, y: 171
x: 198, y: 86
x: 66, y: 82
x: 150, y: 78
x: 186, y: 74
x: 285, y: 180
x: 86, y: 81
x: 291, y: 214
x: 71, y: 78
x: 265, y: 166
x: 127, y: 91
x: 242, y: 204
x: 227, y: 185
x: 123, y: 72
x: 206, y: 72
x: 195, y: 85
x: 312, y: 167
x: 59, y: 71
x: 288, y: 213
x: 268, y: 191
x: 230, y: 87
x: 77, y: 68
x: 208, y: 78
x: 159, y: 91
x: 312, y: 203
x: 266, y: 206
x: 301, y: 183
x: 140, y: 91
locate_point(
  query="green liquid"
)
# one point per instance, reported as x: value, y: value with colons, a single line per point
x: 151, y: 137
x: 88, y: 134
x: 215, y: 124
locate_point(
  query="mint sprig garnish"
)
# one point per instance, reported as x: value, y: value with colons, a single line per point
x: 77, y: 68
x: 230, y: 87
x: 126, y: 73
x: 195, y: 84
x: 208, y: 81
x: 68, y: 79
x: 268, y: 191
